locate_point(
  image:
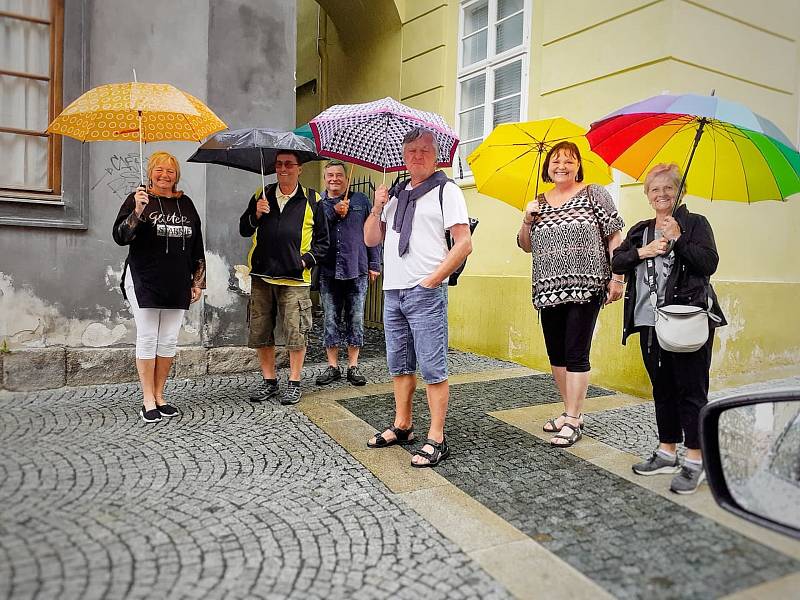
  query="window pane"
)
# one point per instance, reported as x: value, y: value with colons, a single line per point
x: 24, y: 161
x: 29, y: 8
x: 471, y: 124
x: 509, y: 34
x: 474, y: 48
x: 23, y: 103
x: 508, y: 7
x: 507, y: 110
x: 476, y: 17
x: 508, y: 80
x: 465, y: 149
x: 24, y: 46
x: 473, y: 92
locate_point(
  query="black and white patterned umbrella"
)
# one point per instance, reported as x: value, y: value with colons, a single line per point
x: 371, y: 134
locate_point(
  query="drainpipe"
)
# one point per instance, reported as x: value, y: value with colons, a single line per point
x: 322, y: 51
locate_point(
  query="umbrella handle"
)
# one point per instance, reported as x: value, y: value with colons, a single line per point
x: 141, y: 159
x: 349, y: 179
x: 263, y: 184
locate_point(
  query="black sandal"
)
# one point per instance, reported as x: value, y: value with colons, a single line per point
x: 402, y: 437
x: 440, y: 452
x: 552, y: 423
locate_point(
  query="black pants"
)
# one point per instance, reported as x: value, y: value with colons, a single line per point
x: 568, y: 332
x: 680, y: 388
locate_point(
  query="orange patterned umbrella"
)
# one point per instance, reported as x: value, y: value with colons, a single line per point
x: 143, y: 112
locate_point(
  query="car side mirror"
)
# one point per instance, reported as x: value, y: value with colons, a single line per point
x: 751, y: 452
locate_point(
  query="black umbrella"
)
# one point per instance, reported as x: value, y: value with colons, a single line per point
x: 253, y: 149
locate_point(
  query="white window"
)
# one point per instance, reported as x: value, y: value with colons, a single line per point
x: 31, y: 34
x: 492, y: 69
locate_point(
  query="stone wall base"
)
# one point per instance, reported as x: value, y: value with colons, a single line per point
x: 47, y: 368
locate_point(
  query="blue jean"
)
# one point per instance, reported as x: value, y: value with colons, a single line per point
x: 343, y: 303
x: 415, y: 326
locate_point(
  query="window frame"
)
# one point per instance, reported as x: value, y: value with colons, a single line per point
x: 71, y: 209
x: 54, y: 78
x: 488, y: 66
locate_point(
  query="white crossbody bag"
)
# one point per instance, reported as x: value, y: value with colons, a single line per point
x: 679, y: 327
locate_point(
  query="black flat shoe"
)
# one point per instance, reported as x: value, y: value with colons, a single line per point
x: 167, y: 410
x: 150, y: 416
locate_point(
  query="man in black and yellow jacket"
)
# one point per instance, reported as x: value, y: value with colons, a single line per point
x: 290, y: 235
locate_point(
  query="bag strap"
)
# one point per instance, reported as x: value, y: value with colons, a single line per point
x: 447, y: 239
x: 650, y: 263
x: 651, y: 282
x: 313, y: 197
x: 603, y: 244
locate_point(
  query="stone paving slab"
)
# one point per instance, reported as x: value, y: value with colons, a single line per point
x: 633, y: 428
x: 629, y: 540
x: 229, y: 500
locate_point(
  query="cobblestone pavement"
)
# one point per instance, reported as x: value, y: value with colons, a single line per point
x: 234, y: 500
x: 229, y: 500
x: 601, y: 524
x: 633, y: 428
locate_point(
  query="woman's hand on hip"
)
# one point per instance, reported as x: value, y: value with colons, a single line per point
x: 614, y: 291
x: 196, y: 294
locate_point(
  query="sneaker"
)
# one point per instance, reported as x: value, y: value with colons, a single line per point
x: 656, y: 465
x: 688, y: 480
x: 329, y: 375
x: 291, y: 395
x: 167, y: 410
x: 150, y: 416
x: 355, y: 377
x: 264, y: 391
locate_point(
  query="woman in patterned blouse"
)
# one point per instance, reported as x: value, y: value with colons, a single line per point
x: 570, y: 231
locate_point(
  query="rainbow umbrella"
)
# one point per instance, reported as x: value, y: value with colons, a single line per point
x: 507, y: 165
x: 734, y: 154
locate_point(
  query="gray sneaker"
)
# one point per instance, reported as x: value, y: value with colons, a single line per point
x: 264, y: 391
x: 656, y: 465
x: 291, y: 395
x: 688, y: 480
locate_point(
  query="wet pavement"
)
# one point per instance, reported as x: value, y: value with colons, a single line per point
x: 240, y: 500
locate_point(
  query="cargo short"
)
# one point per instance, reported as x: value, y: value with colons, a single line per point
x: 287, y: 306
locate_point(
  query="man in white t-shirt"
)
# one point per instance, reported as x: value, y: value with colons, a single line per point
x: 417, y: 264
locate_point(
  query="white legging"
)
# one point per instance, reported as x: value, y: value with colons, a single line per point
x: 156, y: 328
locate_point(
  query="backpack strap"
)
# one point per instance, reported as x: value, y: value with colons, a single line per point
x: 313, y: 197
x: 447, y: 238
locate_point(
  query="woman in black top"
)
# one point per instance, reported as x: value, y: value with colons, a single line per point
x: 685, y: 256
x: 164, y: 273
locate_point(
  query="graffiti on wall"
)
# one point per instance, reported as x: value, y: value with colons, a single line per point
x: 121, y: 175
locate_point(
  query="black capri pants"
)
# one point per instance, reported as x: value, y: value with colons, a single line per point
x: 680, y: 387
x: 568, y: 330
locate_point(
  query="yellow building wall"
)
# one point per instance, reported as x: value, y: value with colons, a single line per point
x: 588, y: 58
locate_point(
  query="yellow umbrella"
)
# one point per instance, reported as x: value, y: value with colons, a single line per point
x: 508, y: 163
x: 143, y: 112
